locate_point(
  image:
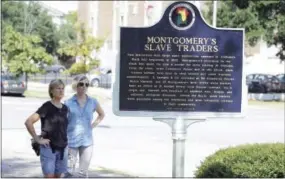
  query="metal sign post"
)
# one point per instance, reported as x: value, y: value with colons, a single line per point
x: 179, y: 134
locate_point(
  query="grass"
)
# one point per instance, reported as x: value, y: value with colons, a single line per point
x: 36, y: 94
x: 275, y: 104
x: 102, y: 99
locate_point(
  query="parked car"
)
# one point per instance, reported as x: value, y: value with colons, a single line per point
x: 264, y: 83
x: 11, y: 84
x: 55, y: 69
x: 102, y: 80
x: 281, y: 77
x: 249, y: 78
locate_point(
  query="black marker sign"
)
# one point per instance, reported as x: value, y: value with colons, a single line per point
x: 180, y: 64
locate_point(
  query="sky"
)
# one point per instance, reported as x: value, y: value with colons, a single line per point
x: 63, y: 6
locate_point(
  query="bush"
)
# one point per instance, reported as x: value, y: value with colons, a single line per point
x: 245, y: 161
x: 78, y: 68
x: 94, y: 63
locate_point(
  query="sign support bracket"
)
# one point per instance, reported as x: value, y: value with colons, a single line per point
x: 179, y: 127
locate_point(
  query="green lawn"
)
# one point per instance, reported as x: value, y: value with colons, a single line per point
x: 36, y: 94
x: 101, y: 99
x: 275, y: 104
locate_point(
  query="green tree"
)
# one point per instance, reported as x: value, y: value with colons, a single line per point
x: 271, y: 15
x: 66, y: 33
x: 12, y: 14
x: 230, y: 16
x: 22, y: 54
x: 264, y: 19
x: 29, y: 18
x: 81, y: 48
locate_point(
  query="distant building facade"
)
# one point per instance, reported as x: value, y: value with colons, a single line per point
x: 57, y: 16
x: 104, y: 17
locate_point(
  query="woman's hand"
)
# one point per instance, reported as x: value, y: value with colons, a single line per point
x: 100, y: 117
x: 44, y: 142
x: 94, y: 124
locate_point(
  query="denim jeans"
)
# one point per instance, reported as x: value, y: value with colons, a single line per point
x: 51, y: 162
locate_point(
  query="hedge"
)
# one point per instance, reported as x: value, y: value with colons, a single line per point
x: 245, y: 161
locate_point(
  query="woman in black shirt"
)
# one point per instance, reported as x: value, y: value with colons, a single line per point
x: 53, y: 138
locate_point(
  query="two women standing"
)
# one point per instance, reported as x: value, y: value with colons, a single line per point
x: 63, y: 125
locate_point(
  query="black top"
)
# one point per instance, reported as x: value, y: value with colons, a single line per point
x: 54, y: 124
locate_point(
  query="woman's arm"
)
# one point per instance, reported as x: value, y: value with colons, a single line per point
x: 100, y: 116
x: 30, y: 127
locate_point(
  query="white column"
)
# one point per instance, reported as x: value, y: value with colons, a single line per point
x: 214, y: 13
x: 197, y: 3
x: 95, y: 17
x: 114, y: 26
x: 126, y: 13
x: 155, y: 12
x: 158, y: 11
x: 145, y: 13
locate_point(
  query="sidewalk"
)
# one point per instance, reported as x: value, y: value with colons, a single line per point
x: 19, y: 159
x: 24, y: 165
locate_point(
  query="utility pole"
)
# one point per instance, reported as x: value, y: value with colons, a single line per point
x: 214, y: 13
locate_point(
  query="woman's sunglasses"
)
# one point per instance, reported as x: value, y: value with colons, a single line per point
x: 82, y: 84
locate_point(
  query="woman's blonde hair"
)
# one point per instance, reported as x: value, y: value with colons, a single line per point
x: 53, y: 84
x: 76, y: 80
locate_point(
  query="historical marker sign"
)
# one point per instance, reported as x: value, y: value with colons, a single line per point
x: 179, y: 67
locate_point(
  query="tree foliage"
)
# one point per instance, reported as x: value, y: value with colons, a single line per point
x: 230, y: 16
x: 264, y: 19
x: 271, y: 15
x: 66, y: 33
x: 83, y: 47
x: 22, y: 54
x: 29, y: 18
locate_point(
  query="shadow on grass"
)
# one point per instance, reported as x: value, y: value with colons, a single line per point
x: 20, y: 168
x: 31, y: 168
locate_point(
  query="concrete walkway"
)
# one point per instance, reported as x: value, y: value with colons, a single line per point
x: 24, y: 165
x: 19, y: 159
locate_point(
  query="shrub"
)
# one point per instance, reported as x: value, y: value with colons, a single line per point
x: 94, y: 63
x: 78, y: 68
x: 245, y: 161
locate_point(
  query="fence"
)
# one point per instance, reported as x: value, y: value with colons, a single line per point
x: 102, y: 81
x: 46, y: 78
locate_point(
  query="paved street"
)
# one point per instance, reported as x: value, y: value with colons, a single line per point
x: 137, y: 146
